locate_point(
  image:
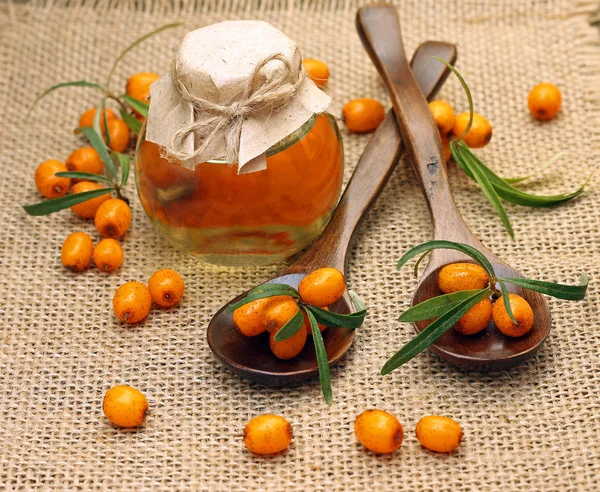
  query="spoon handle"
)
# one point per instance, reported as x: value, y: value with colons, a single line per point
x: 379, y: 29
x: 373, y: 169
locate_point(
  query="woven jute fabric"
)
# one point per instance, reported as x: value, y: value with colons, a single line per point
x: 535, y: 427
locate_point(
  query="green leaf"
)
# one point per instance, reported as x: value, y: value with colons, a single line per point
x: 98, y: 144
x: 357, y: 302
x: 484, y: 183
x: 85, y: 176
x: 329, y: 318
x: 434, y: 307
x: 124, y: 165
x: 438, y: 244
x: 322, y: 360
x: 535, y: 171
x: 75, y: 83
x: 434, y: 331
x: 140, y: 106
x: 291, y: 327
x: 56, y: 204
x: 132, y: 122
x: 101, y: 110
x: 506, y: 300
x: 265, y: 290
x: 560, y: 291
x: 134, y: 44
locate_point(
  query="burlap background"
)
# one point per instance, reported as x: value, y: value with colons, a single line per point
x: 535, y: 427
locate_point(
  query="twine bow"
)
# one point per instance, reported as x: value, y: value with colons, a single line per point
x: 213, y: 120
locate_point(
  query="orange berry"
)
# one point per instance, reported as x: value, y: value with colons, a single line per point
x: 278, y: 312
x: 132, y: 302
x: 289, y: 348
x: 379, y: 431
x: 443, y: 115
x: 307, y: 326
x: 138, y: 85
x: 363, y: 115
x: 521, y: 311
x: 446, y: 147
x: 119, y: 135
x: 85, y: 160
x: 317, y: 70
x: 544, y: 101
x: 87, y: 118
x: 462, y: 276
x: 248, y: 318
x: 49, y: 185
x: 112, y: 218
x: 480, y: 133
x: 108, y: 255
x: 476, y: 318
x: 267, y: 434
x: 125, y: 406
x: 439, y: 434
x: 88, y: 209
x: 322, y: 287
x: 166, y: 287
x: 76, y: 252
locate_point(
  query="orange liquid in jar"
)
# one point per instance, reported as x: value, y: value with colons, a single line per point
x: 245, y: 219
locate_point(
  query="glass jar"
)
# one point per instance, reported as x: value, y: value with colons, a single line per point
x: 247, y: 219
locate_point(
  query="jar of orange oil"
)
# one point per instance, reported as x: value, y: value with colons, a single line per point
x: 238, y: 161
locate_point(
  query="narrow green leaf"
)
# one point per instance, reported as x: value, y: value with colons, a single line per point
x: 85, y: 176
x: 101, y: 112
x: 265, y: 290
x: 322, y: 360
x: 535, y: 172
x: 134, y: 44
x: 75, y: 83
x: 98, y: 144
x: 434, y: 331
x: 357, y: 302
x: 291, y: 327
x: 418, y: 262
x: 439, y: 244
x: 329, y: 318
x: 506, y: 300
x: 56, y: 204
x: 560, y: 291
x: 488, y: 190
x: 124, y: 165
x: 132, y: 122
x: 140, y: 106
x: 434, y: 307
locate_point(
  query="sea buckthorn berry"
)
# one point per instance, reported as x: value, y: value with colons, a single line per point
x: 379, y: 431
x: 138, y: 85
x: 317, y: 70
x: 47, y: 183
x: 446, y: 147
x: 108, y: 255
x: 544, y: 101
x: 268, y: 434
x: 439, y: 434
x: 363, y: 115
x: 119, y: 135
x: 476, y: 318
x: 462, y: 276
x: 322, y: 287
x: 249, y: 317
x: 278, y: 312
x: 112, y: 218
x: 88, y: 209
x: 132, y: 302
x: 85, y: 160
x: 166, y: 287
x: 443, y: 115
x: 480, y: 133
x: 521, y: 311
x: 87, y: 118
x: 307, y: 326
x: 76, y: 252
x: 125, y: 406
x: 289, y: 348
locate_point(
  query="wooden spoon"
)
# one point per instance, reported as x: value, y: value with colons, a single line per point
x: 251, y: 357
x: 379, y: 29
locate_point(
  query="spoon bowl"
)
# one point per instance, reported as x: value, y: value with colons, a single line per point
x: 251, y: 357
